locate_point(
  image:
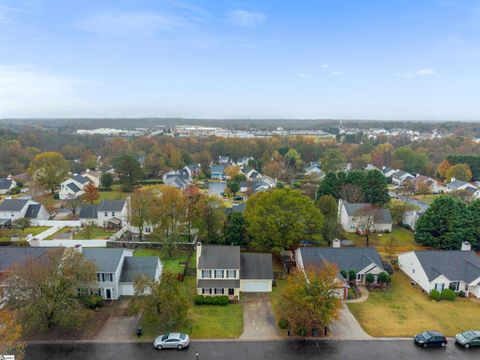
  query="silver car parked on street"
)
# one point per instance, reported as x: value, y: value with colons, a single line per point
x: 172, y: 341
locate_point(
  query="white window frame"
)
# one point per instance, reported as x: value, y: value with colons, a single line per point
x: 222, y: 274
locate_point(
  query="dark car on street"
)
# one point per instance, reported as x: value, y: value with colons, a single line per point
x: 468, y: 339
x: 430, y: 339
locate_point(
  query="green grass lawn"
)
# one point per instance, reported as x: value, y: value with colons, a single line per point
x: 5, y: 235
x: 205, y: 321
x: 404, y: 239
x: 275, y: 300
x: 35, y: 230
x: 405, y: 310
x: 95, y: 233
x: 427, y: 199
x: 111, y: 195
x: 170, y: 264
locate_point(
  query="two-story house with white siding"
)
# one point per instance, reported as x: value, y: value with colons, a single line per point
x: 14, y: 209
x: 72, y: 188
x: 111, y: 214
x: 223, y: 270
x: 117, y: 270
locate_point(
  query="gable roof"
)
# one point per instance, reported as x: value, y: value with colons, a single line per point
x: 111, y: 205
x: 12, y: 255
x: 256, y: 266
x: 219, y: 257
x: 88, y: 212
x: 457, y: 184
x: 386, y: 170
x: 400, y: 174
x: 240, y: 208
x: 32, y: 211
x: 72, y: 186
x: 5, y: 184
x: 381, y: 215
x: 345, y: 258
x: 454, y: 264
x: 81, y: 179
x: 13, y: 204
x: 218, y: 169
x: 134, y: 266
x: 106, y: 260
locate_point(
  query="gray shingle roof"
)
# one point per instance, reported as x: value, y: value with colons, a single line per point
x: 256, y: 266
x: 454, y: 264
x: 5, y: 184
x: 381, y: 215
x: 134, y: 266
x: 218, y: 169
x: 218, y: 283
x: 10, y: 255
x: 73, y: 187
x: 32, y: 211
x: 219, y: 257
x: 456, y: 184
x: 88, y: 212
x: 111, y: 205
x: 13, y: 204
x: 81, y: 179
x: 345, y: 258
x: 240, y: 208
x: 106, y: 260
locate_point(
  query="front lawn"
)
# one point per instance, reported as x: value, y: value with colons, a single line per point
x: 405, y: 239
x: 405, y: 310
x: 170, y: 264
x: 95, y: 233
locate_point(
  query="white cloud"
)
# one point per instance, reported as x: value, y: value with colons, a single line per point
x: 324, y: 66
x: 418, y: 73
x: 6, y: 14
x: 26, y: 90
x: 302, y: 75
x: 133, y: 23
x: 245, y: 18
x: 425, y: 72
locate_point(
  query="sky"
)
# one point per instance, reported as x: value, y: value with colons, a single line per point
x: 315, y: 59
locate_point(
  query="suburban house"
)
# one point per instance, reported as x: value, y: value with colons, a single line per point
x: 117, y: 270
x: 15, y: 209
x: 224, y: 160
x: 16, y: 256
x: 313, y: 168
x: 6, y: 185
x: 457, y: 185
x: 253, y: 175
x: 218, y: 172
x: 410, y: 218
x: 93, y: 176
x: 110, y: 214
x: 193, y: 170
x: 354, y: 217
x: 370, y: 167
x: 433, y: 185
x: 388, y: 172
x: 243, y: 161
x: 443, y: 269
x: 179, y: 179
x: 240, y: 208
x: 365, y: 260
x: 223, y: 270
x: 400, y: 177
x: 72, y: 188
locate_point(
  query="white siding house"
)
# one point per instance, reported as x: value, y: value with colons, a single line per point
x: 15, y: 209
x: 351, y: 216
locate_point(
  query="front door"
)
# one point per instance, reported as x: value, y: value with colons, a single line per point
x: 108, y: 294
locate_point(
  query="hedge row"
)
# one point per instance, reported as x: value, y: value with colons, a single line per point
x: 446, y: 294
x: 211, y: 300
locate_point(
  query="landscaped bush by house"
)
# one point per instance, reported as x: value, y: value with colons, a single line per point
x: 344, y: 274
x: 448, y: 294
x: 282, y: 323
x: 370, y: 279
x: 435, y: 295
x: 384, y: 278
x: 462, y: 294
x: 91, y: 301
x: 353, y: 293
x: 352, y: 275
x: 301, y: 332
x: 211, y: 300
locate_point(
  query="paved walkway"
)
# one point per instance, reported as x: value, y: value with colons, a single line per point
x: 364, y: 296
x: 258, y: 319
x: 347, y: 327
x: 119, y: 325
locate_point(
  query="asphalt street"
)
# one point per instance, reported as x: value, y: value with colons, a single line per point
x: 251, y: 350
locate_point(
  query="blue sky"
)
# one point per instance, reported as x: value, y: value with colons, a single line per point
x: 380, y: 59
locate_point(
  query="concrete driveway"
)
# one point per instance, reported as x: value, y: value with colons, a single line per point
x: 119, y: 325
x: 347, y: 327
x: 258, y: 319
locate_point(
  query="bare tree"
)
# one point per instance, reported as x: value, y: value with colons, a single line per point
x: 423, y: 187
x: 73, y: 203
x: 365, y: 219
x: 352, y: 193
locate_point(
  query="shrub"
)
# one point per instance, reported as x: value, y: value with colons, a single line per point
x: 199, y: 299
x: 352, y: 275
x: 384, y: 277
x: 207, y: 300
x: 435, y: 295
x: 448, y: 294
x: 215, y: 300
x: 369, y: 278
x: 302, y: 331
x: 344, y: 274
x: 283, y: 323
x: 223, y: 300
x: 91, y: 301
x: 462, y: 294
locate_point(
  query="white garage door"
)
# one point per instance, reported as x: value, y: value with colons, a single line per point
x: 256, y: 286
x: 126, y: 289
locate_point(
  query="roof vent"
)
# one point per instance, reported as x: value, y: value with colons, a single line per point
x: 466, y: 246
